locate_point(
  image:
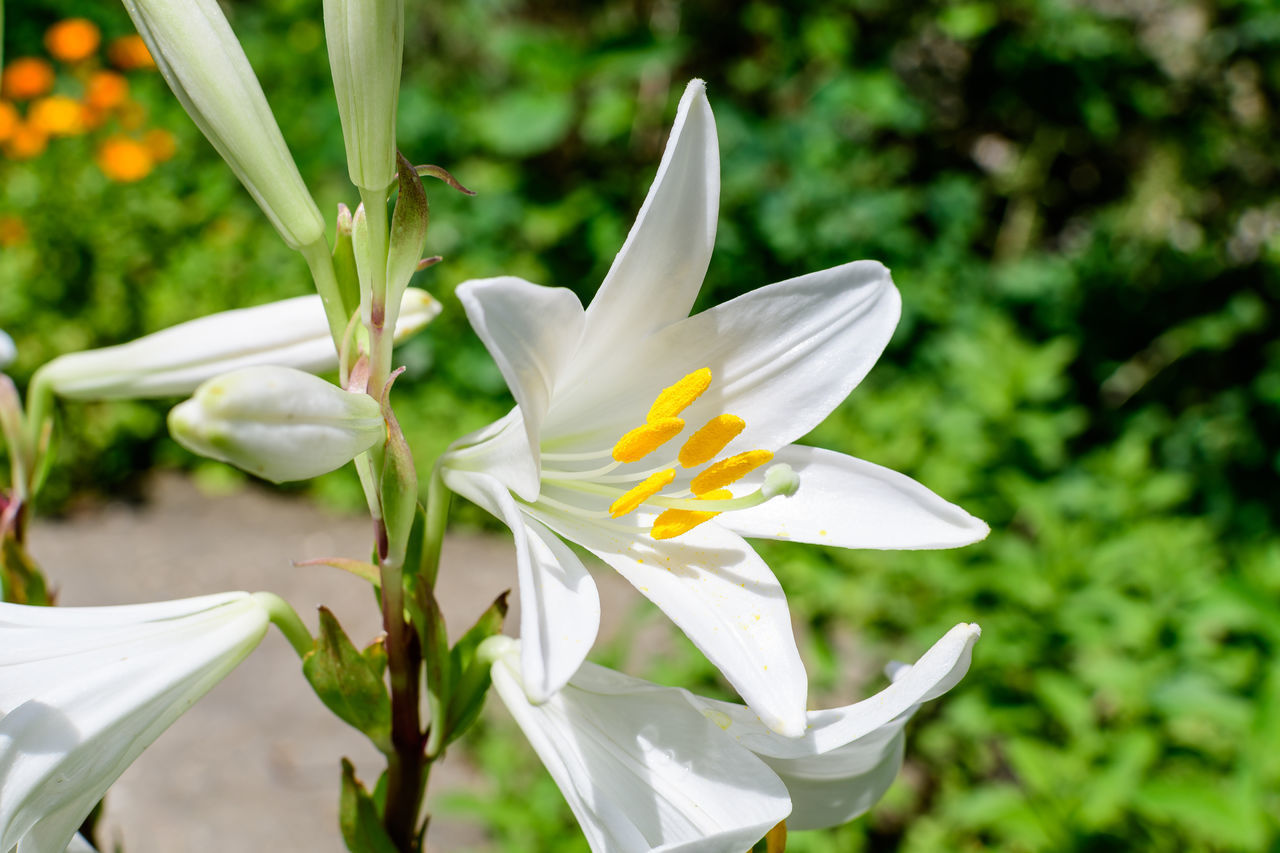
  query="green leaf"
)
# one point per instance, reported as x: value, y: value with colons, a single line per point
x: 349, y: 683
x: 473, y: 679
x: 358, y: 816
x: 21, y: 581
x: 408, y: 234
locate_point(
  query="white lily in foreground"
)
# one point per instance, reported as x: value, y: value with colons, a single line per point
x: 588, y: 453
x: 84, y: 690
x: 646, y: 767
x: 278, y: 423
x: 175, y: 361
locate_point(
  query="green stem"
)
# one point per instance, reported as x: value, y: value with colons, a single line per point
x: 320, y: 261
x: 286, y: 619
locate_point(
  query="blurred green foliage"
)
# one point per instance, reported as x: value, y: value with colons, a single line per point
x: 1078, y: 202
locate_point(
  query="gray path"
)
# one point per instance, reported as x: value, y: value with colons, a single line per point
x: 254, y: 765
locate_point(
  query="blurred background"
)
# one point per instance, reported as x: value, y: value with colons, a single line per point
x: 1078, y: 200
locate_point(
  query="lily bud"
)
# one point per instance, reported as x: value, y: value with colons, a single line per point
x: 366, y: 46
x: 278, y: 423
x: 174, y: 361
x: 199, y: 56
x: 8, y: 352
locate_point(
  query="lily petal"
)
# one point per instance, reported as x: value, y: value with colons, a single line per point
x: 782, y: 358
x: 641, y: 769
x: 849, y: 756
x: 559, y: 602
x: 726, y: 600
x: 84, y: 690
x: 531, y: 331
x: 657, y: 274
x: 851, y: 503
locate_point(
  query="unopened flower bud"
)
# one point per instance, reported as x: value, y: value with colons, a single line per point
x: 278, y: 423
x: 366, y: 45
x: 174, y: 361
x: 197, y: 52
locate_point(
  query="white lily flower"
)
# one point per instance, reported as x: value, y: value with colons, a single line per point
x: 641, y: 769
x: 641, y: 774
x: 366, y: 47
x: 84, y: 690
x: 278, y: 423
x: 175, y: 361
x: 587, y: 455
x: 8, y: 352
x: 206, y: 68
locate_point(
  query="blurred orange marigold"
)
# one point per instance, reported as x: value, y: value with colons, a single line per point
x: 26, y: 142
x: 123, y: 159
x: 73, y: 39
x: 106, y: 90
x: 26, y: 78
x: 9, y: 120
x: 57, y: 115
x: 129, y: 53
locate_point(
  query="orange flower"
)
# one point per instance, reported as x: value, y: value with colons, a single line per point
x: 26, y: 78
x: 160, y: 144
x: 9, y: 120
x: 26, y: 142
x: 129, y: 53
x: 106, y: 90
x: 123, y: 159
x: 57, y: 115
x: 12, y: 231
x: 73, y: 39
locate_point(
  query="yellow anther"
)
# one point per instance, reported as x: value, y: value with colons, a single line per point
x: 673, y: 522
x: 728, y: 471
x: 673, y: 400
x: 645, y: 439
x: 704, y: 444
x: 652, y: 484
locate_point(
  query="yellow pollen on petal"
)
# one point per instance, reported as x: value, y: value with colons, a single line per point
x: 704, y: 444
x: 651, y: 485
x: 729, y: 470
x: 673, y: 400
x: 645, y: 439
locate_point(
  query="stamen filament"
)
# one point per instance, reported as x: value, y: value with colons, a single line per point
x: 543, y: 500
x: 576, y: 457
x: 591, y: 474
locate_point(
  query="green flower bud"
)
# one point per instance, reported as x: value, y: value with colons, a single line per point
x: 278, y: 423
